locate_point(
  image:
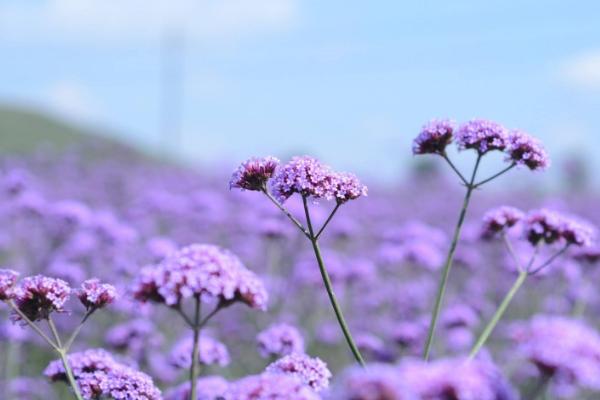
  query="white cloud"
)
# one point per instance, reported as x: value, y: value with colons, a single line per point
x: 583, y: 70
x: 122, y: 21
x: 72, y: 101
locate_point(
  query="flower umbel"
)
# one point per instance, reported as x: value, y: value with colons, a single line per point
x: 435, y: 136
x: 253, y: 174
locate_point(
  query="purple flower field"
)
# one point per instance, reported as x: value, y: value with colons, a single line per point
x: 123, y: 277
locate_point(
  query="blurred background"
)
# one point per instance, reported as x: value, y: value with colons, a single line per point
x: 351, y: 82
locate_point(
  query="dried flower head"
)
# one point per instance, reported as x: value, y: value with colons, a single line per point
x: 500, y: 219
x: 94, y: 294
x: 482, y: 135
x: 253, y: 174
x: 312, y: 371
x: 279, y: 340
x: 525, y: 150
x: 38, y: 296
x: 8, y: 280
x: 435, y: 136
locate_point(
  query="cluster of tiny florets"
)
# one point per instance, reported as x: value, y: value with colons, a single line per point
x: 482, y: 135
x: 312, y: 371
x: 202, y: 270
x: 525, y: 150
x: 435, y: 136
x: 38, y: 296
x: 546, y: 226
x: 500, y: 219
x: 346, y: 186
x: 94, y: 294
x: 253, y: 174
x: 279, y: 340
x: 8, y: 280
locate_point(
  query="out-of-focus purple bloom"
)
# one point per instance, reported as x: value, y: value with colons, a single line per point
x: 550, y: 226
x: 589, y: 255
x: 160, y: 247
x: 435, y: 136
x: 279, y: 340
x: 568, y: 350
x: 253, y: 174
x: 373, y: 347
x: 127, y: 383
x: 306, y: 176
x: 86, y: 361
x: 95, y: 295
x: 270, y: 387
x: 482, y: 135
x: 200, y: 270
x: 459, y: 315
x: 346, y: 186
x: 377, y: 382
x: 26, y: 388
x: 500, y: 219
x: 208, y: 387
x: 211, y: 352
x: 526, y: 150
x: 38, y: 296
x: 312, y: 371
x: 8, y: 280
x: 132, y: 335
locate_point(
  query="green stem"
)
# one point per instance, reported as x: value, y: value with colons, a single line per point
x: 329, y: 287
x: 62, y: 353
x: 489, y: 328
x: 448, y: 264
x: 195, y: 351
x: 75, y: 333
x: 286, y: 212
x: 318, y: 235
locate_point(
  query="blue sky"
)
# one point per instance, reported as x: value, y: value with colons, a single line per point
x: 351, y: 82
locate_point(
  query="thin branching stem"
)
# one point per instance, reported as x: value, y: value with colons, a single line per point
x: 286, y: 212
x: 491, y: 178
x: 75, y: 333
x: 460, y: 175
x: 33, y: 326
x: 549, y: 261
x: 195, y: 350
x: 337, y: 206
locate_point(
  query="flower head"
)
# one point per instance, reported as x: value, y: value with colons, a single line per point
x: 270, y: 387
x: 550, y: 226
x: 346, y: 186
x: 378, y: 382
x: 500, y: 219
x: 212, y: 352
x: 525, y: 150
x: 280, y: 340
x: 312, y: 371
x: 8, y: 280
x: 253, y: 174
x: 435, y: 136
x: 94, y: 295
x: 482, y: 135
x: 306, y: 176
x: 200, y: 270
x: 38, y: 296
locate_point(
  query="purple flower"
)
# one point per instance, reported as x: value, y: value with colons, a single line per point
x: 312, y: 371
x: 91, y: 360
x: 212, y: 352
x: 208, y: 387
x: 435, y: 136
x: 38, y: 296
x: 346, y: 186
x: 270, y: 387
x: 377, y: 382
x: 589, y: 255
x: 499, y: 219
x: 306, y: 176
x: 525, y: 150
x: 127, y: 383
x: 253, y: 174
x: 279, y: 340
x: 482, y: 135
x: 568, y: 350
x: 200, y: 270
x: 94, y: 295
x: 550, y: 226
x: 8, y: 280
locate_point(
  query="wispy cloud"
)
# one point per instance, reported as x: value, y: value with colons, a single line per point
x: 123, y: 21
x: 583, y: 70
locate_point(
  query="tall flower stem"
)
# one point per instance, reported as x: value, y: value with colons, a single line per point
x: 62, y: 353
x: 498, y: 314
x: 448, y: 264
x: 195, y: 350
x: 329, y: 287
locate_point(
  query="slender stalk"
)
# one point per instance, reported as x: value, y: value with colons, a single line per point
x: 337, y: 206
x: 286, y: 212
x: 329, y: 287
x: 491, y: 178
x: 549, y: 261
x: 487, y: 331
x: 33, y: 326
x: 185, y: 317
x: 195, y: 351
x: 451, y: 164
x: 448, y: 264
x: 511, y: 251
x: 75, y: 333
x: 62, y: 353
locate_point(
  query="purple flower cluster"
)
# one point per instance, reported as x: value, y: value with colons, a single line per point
x: 99, y: 375
x: 253, y: 174
x: 38, y: 296
x: 482, y: 135
x: 280, y: 339
x: 526, y: 150
x: 312, y: 371
x: 95, y: 295
x: 435, y: 136
x: 200, y: 270
x: 212, y: 352
x: 8, y: 280
x: 310, y: 178
x: 546, y: 226
x: 209, y: 388
x: 500, y: 219
x: 270, y: 386
x: 378, y: 382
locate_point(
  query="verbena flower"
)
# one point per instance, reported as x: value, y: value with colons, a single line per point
x: 568, y: 350
x: 377, y: 382
x: 91, y: 360
x: 253, y: 174
x: 589, y: 255
x: 209, y: 388
x: 38, y: 296
x: 212, y: 352
x: 346, y: 186
x: 482, y: 136
x: 306, y: 176
x: 312, y: 371
x: 8, y: 280
x: 435, y: 136
x: 525, y: 150
x: 279, y: 340
x: 546, y: 226
x: 95, y: 295
x: 270, y: 387
x: 200, y: 270
x: 500, y: 219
